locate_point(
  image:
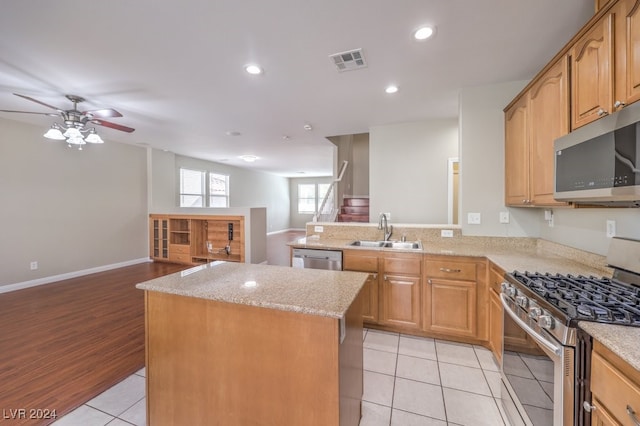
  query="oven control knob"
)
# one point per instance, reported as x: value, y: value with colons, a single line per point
x: 511, y: 291
x: 504, y: 286
x: 546, y: 321
x: 535, y: 312
x: 522, y: 301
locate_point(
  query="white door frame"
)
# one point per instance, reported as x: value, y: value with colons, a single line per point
x: 450, y: 163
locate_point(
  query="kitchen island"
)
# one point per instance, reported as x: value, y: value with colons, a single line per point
x: 241, y: 344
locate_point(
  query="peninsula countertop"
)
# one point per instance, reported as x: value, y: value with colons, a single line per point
x: 308, y: 291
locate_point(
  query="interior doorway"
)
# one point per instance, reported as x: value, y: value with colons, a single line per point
x: 453, y: 190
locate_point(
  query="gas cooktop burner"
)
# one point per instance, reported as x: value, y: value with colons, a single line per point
x: 586, y: 298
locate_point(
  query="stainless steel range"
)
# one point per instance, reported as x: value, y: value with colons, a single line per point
x: 545, y: 364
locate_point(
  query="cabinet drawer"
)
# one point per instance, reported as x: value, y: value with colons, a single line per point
x: 614, y: 389
x: 360, y: 263
x: 180, y: 258
x: 403, y: 265
x: 448, y: 269
x: 180, y: 249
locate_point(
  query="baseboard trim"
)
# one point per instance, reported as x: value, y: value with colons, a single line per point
x: 282, y: 231
x: 54, y: 278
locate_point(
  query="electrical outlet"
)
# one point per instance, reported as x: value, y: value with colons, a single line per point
x: 611, y: 228
x: 448, y: 233
x: 473, y: 218
x: 504, y: 217
x: 388, y: 215
x: 34, y: 265
x: 318, y: 228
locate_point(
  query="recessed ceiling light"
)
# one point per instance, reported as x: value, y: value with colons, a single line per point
x: 286, y: 137
x: 232, y: 133
x: 253, y: 69
x: 249, y: 158
x: 391, y: 89
x: 307, y: 127
x: 423, y: 33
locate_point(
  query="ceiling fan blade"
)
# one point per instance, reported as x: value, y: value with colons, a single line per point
x: 38, y: 102
x: 112, y: 125
x: 107, y: 112
x: 31, y: 112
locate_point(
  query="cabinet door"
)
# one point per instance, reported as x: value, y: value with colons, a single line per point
x: 516, y: 152
x: 400, y: 304
x: 600, y: 416
x: 627, y: 51
x: 495, y: 325
x: 548, y: 119
x: 363, y: 261
x: 451, y: 307
x: 159, y: 238
x: 592, y: 74
x: 370, y: 299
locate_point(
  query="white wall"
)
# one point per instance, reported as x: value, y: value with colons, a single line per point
x: 68, y: 210
x: 482, y: 163
x: 246, y: 188
x: 482, y: 182
x: 408, y: 170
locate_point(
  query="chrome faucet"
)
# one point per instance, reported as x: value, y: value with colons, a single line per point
x: 383, y: 223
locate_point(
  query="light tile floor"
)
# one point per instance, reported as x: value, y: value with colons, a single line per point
x: 408, y: 381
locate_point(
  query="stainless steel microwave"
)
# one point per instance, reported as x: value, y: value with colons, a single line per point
x: 600, y: 163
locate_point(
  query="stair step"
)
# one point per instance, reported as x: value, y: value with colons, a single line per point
x: 364, y: 210
x: 353, y: 218
x: 355, y: 201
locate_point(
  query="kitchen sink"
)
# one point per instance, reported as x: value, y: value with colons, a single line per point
x: 365, y: 243
x: 399, y: 245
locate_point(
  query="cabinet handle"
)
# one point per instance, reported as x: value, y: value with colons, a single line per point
x: 588, y: 407
x: 619, y: 104
x: 375, y: 276
x: 429, y: 281
x: 632, y: 414
x: 450, y: 270
x: 385, y: 277
x: 601, y: 112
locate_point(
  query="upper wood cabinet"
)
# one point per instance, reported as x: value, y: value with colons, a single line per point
x: 516, y: 153
x: 605, y: 64
x: 627, y: 52
x: 592, y: 74
x: 531, y: 125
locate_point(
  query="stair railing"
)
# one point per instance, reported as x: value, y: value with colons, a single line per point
x: 327, y: 212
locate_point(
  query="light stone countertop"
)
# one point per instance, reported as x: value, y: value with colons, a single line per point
x: 307, y: 291
x: 622, y: 340
x: 511, y: 254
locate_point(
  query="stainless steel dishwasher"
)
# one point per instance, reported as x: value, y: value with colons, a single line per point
x: 317, y: 259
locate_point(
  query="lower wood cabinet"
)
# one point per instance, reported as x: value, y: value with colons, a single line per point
x: 615, y: 387
x: 400, y: 290
x: 455, y: 297
x: 495, y: 326
x: 365, y: 261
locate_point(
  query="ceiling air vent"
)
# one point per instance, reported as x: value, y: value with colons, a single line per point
x: 350, y: 60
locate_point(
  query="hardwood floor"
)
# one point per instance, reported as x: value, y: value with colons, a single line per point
x: 63, y: 343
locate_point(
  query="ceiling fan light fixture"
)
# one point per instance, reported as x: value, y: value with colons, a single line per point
x: 249, y: 158
x: 76, y: 141
x: 93, y: 137
x: 54, y: 133
x: 72, y: 132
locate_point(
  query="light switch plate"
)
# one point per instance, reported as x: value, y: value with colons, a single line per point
x: 504, y: 217
x: 448, y: 233
x: 473, y: 218
x: 611, y: 228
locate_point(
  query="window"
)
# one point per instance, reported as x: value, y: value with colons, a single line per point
x: 218, y: 190
x: 310, y: 196
x: 194, y: 191
x: 192, y: 188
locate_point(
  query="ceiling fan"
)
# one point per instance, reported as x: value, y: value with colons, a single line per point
x: 75, y: 124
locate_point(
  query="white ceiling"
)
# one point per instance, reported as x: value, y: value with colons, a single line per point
x: 175, y: 69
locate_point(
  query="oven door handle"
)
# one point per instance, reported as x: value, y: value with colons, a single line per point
x: 537, y: 336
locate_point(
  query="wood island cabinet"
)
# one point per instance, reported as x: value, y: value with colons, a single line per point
x: 615, y: 387
x: 455, y: 297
